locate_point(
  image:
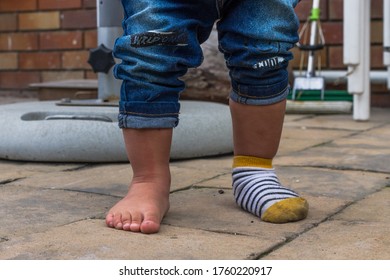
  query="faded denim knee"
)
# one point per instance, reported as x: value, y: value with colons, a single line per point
x: 256, y: 43
x: 161, y: 41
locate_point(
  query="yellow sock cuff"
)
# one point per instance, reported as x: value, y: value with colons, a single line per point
x: 249, y: 161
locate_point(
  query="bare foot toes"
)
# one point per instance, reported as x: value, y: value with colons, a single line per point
x: 141, y: 210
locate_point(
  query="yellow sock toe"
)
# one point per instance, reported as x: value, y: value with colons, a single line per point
x: 287, y: 210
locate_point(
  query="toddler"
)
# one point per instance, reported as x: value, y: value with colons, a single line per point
x: 161, y: 41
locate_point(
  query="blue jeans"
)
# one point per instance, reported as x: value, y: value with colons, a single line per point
x: 162, y: 40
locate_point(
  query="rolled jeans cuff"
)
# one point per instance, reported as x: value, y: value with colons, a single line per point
x: 138, y: 122
x: 251, y: 100
x: 148, y: 114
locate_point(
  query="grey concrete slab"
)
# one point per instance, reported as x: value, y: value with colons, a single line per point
x: 114, y: 179
x: 342, y: 184
x: 361, y: 231
x: 218, y: 164
x: 292, y: 118
x: 379, y: 115
x: 335, y: 241
x: 213, y: 210
x: 26, y: 210
x: 13, y: 170
x: 90, y: 239
x: 342, y: 122
x: 341, y: 157
x: 110, y: 179
x: 296, y: 138
x: 375, y: 208
x: 376, y: 138
x: 366, y: 150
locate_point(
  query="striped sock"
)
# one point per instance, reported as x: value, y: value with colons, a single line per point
x: 257, y: 190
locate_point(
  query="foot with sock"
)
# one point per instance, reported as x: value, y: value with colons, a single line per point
x: 257, y: 190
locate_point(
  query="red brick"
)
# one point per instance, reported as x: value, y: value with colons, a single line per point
x: 8, y: 22
x: 377, y: 9
x: 89, y: 3
x: 39, y: 20
x: 60, y: 40
x: 48, y: 76
x: 75, y: 60
x: 90, y: 75
x: 9, y: 60
x: 40, y: 61
x: 17, y: 5
x: 18, y: 41
x: 79, y: 19
x: 18, y: 80
x: 377, y: 57
x: 333, y: 32
x: 90, y: 39
x: 380, y: 99
x: 59, y: 4
x: 336, y: 9
x: 303, y: 9
x: 323, y: 9
x: 296, y: 62
x: 376, y: 32
x: 336, y: 58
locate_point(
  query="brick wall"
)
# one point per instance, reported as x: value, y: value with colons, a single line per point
x: 47, y: 40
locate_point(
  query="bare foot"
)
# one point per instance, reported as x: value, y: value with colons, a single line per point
x: 142, y: 209
x: 147, y: 200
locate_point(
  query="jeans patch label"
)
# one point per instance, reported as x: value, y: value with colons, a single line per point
x: 272, y: 62
x: 153, y: 38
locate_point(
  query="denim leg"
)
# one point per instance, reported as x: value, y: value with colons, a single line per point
x: 161, y: 41
x: 256, y: 37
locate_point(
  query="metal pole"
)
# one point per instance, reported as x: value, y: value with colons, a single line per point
x: 109, y: 24
x: 313, y: 39
x: 386, y: 38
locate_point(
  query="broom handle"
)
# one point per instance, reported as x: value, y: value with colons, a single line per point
x: 314, y: 17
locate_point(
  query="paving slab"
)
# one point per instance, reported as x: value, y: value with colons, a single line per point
x: 360, y: 232
x: 114, y: 179
x: 110, y: 179
x: 90, y: 239
x: 218, y: 164
x: 342, y: 122
x: 367, y: 150
x: 344, y: 184
x: 375, y: 208
x: 26, y: 210
x: 376, y: 138
x: 298, y: 138
x: 13, y: 170
x: 341, y: 157
x: 213, y: 210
